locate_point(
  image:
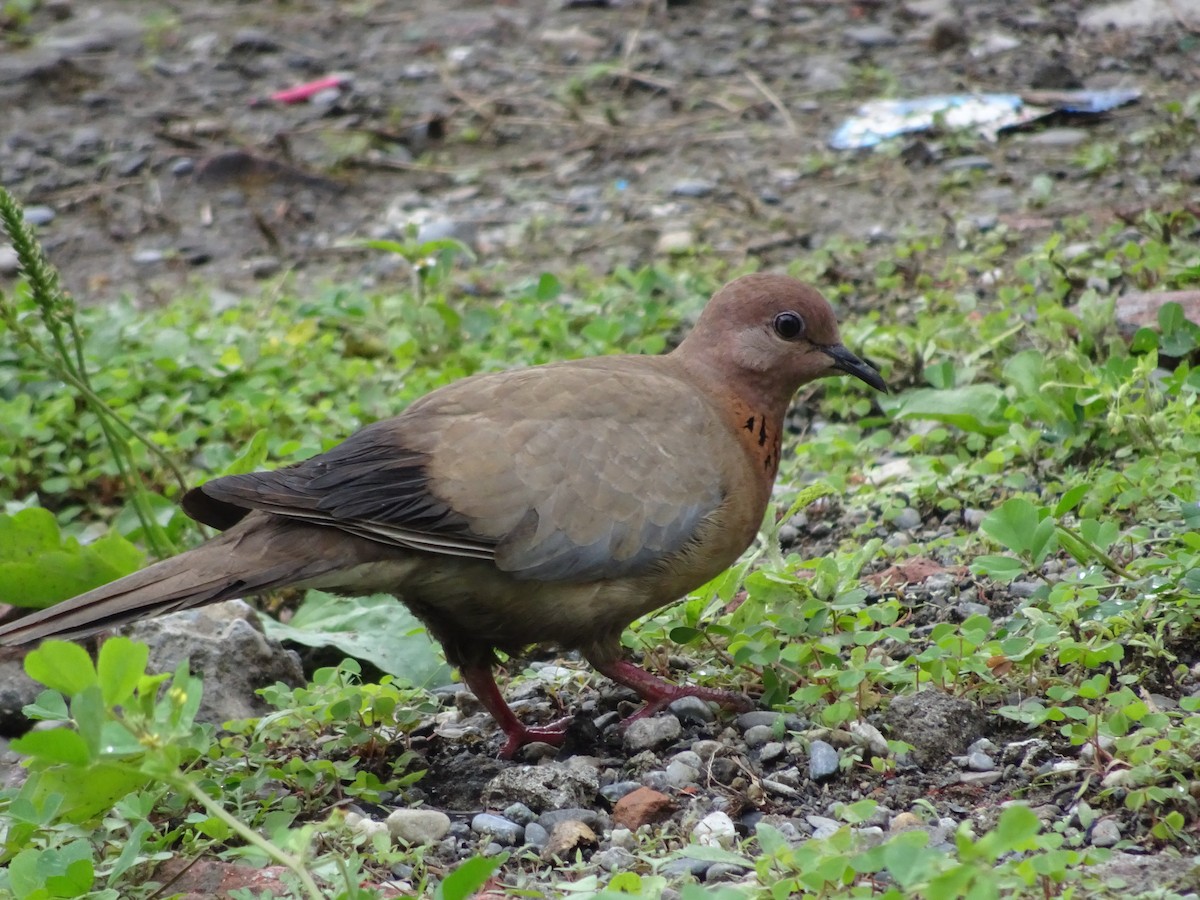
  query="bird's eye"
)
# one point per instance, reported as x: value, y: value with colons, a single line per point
x: 789, y: 325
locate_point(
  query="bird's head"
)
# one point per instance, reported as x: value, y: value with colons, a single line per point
x: 769, y: 335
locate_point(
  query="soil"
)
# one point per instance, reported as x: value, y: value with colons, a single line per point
x: 555, y: 135
x: 547, y: 135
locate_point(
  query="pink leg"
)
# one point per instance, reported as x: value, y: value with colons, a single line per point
x: 659, y: 694
x: 483, y: 685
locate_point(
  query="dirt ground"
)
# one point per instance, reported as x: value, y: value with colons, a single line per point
x: 550, y: 135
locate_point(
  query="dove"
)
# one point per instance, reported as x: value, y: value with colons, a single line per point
x: 549, y: 505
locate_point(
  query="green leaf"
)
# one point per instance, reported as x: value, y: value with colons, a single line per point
x: 55, y: 745
x: 86, y: 792
x: 1015, y: 525
x: 61, y: 666
x: 377, y: 629
x: 976, y: 407
x: 1001, y: 568
x: 120, y: 666
x: 468, y: 877
x: 252, y: 457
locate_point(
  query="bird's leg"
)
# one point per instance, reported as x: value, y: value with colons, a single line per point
x: 659, y: 693
x: 483, y: 685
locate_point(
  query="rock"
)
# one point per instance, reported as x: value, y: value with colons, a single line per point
x: 934, y: 723
x: 542, y: 787
x: 905, y: 821
x: 519, y: 813
x: 39, y: 215
x: 822, y: 826
x: 822, y: 761
x: 767, y: 717
x: 694, y: 187
x: 771, y: 751
x: 715, y: 830
x: 680, y: 240
x: 681, y: 775
x: 648, y: 734
x: 1105, y: 833
x: 870, y: 36
x: 590, y: 817
x: 566, y: 837
x: 871, y: 736
x: 1058, y: 137
x: 907, y: 519
x: 980, y: 762
x: 9, y: 264
x: 614, y: 859
x: 615, y: 791
x: 1140, y: 310
x: 718, y: 872
x: 536, y: 836
x: 692, y: 710
x: 418, y: 827
x: 758, y: 735
x: 684, y: 865
x: 225, y: 645
x: 502, y: 831
x: 17, y: 690
x: 642, y: 807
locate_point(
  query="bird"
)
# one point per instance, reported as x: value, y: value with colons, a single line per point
x: 548, y: 505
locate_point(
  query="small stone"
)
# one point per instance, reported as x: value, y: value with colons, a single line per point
x: 758, y: 735
x: 680, y: 775
x: 967, y: 163
x: 624, y: 838
x: 502, y: 831
x: 536, y: 836
x: 9, y: 264
x: 675, y: 242
x: 614, y: 859
x: 253, y: 40
x: 642, y: 807
x: 615, y: 791
x: 185, y: 165
x: 132, y: 163
x: 695, y: 187
x: 771, y: 751
x: 369, y: 827
x: 1023, y: 589
x: 706, y: 749
x: 871, y: 736
x: 590, y: 817
x: 763, y: 717
x: 822, y: 761
x: 907, y: 519
x: 822, y: 827
x: 979, y: 778
x: 1106, y: 832
x: 263, y: 266
x: 684, y: 865
x: 980, y: 762
x: 1058, y: 137
x: 693, y: 710
x: 983, y: 745
x: 39, y: 215
x: 519, y: 813
x: 715, y: 830
x: 904, y: 822
x: 723, y: 872
x: 870, y: 36
x: 648, y: 734
x: 542, y: 787
x: 418, y: 826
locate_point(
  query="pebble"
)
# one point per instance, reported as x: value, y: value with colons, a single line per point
x: 1023, y: 589
x: 1106, y: 832
x: 148, y: 257
x: 822, y: 827
x: 39, y: 215
x: 979, y: 778
x: 184, y: 165
x: 684, y: 865
x: 501, y: 830
x: 767, y: 717
x: 980, y: 762
x: 871, y: 736
x: 822, y: 761
x: 693, y: 187
x: 904, y: 821
x: 723, y: 872
x: 9, y: 264
x: 715, y: 830
x: 589, y: 817
x: 131, y: 164
x: 870, y: 36
x: 614, y: 859
x: 536, y: 836
x: 678, y: 241
x: 771, y: 751
x: 1058, y: 137
x: 966, y: 610
x: 972, y: 517
x: 707, y: 749
x: 758, y: 735
x: 983, y: 745
x: 519, y: 813
x: 692, y: 709
x: 418, y: 826
x: 647, y: 734
x: 907, y: 519
x: 681, y: 775
x: 615, y: 791
x: 623, y: 837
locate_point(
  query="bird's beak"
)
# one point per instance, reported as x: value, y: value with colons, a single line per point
x: 845, y: 361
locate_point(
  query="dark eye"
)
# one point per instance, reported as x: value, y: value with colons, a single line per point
x: 789, y: 325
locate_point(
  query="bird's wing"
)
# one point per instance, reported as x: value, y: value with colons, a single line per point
x: 570, y: 472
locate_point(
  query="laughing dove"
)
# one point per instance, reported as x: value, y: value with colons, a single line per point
x: 553, y: 504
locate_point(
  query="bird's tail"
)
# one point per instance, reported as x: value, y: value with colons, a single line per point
x: 237, y: 563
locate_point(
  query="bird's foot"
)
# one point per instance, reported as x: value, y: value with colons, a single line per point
x: 660, y: 693
x: 553, y: 734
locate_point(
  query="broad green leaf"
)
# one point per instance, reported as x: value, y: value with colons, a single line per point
x: 61, y: 666
x: 120, y: 666
x: 975, y: 407
x: 55, y: 745
x: 377, y: 629
x: 468, y: 878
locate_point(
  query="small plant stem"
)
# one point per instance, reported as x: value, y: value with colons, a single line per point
x: 252, y: 837
x: 1103, y: 558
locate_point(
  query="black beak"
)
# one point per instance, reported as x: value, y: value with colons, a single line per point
x: 845, y: 361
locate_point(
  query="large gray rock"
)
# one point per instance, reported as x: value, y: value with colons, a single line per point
x: 541, y: 788
x: 937, y: 725
x: 225, y: 645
